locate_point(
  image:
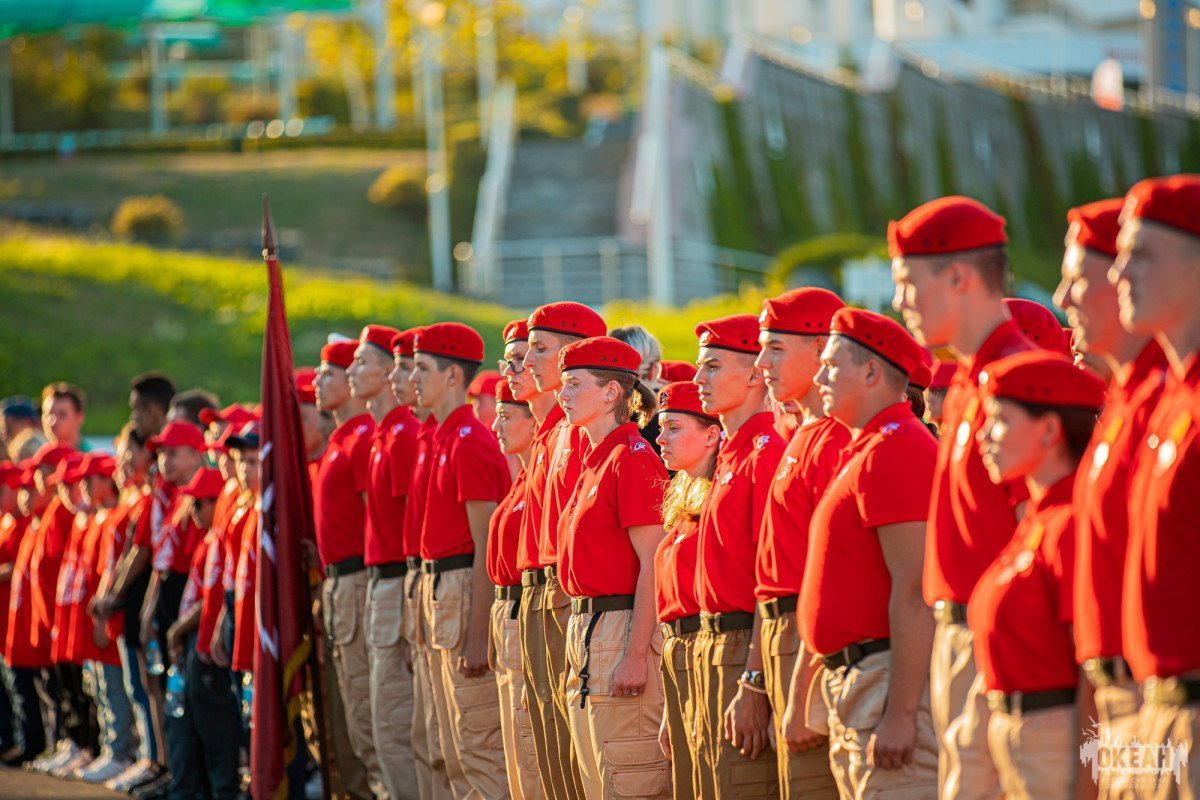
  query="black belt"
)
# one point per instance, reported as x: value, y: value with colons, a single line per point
x: 508, y: 592
x: 349, y: 566
x: 1106, y: 671
x: 414, y: 563
x: 950, y: 612
x: 551, y: 572
x: 1025, y: 702
x: 779, y: 606
x: 394, y: 569
x: 598, y: 605
x: 724, y: 623
x: 533, y: 577
x: 851, y: 655
x: 1175, y: 691
x: 681, y: 626
x: 436, y: 566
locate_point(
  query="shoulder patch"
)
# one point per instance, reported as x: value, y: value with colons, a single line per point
x: 639, y: 446
x: 761, y: 442
x: 890, y: 428
x: 399, y: 426
x: 519, y: 506
x: 361, y: 429
x: 464, y: 431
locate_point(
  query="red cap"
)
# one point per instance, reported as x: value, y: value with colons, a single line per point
x: 236, y: 414
x: 206, y: 484
x: 504, y: 395
x: 881, y: 335
x: 306, y: 379
x: 600, y: 352
x: 673, y: 371
x: 943, y: 373
x: 92, y: 465
x: 27, y: 468
x: 379, y: 335
x: 801, y: 311
x: 51, y: 455
x: 1038, y: 324
x: 573, y: 319
x: 1173, y: 201
x: 484, y: 383
x: 683, y: 397
x: 402, y: 342
x: 922, y: 374
x: 340, y: 353
x: 450, y: 340
x: 946, y: 225
x: 738, y: 333
x: 1096, y: 225
x: 66, y: 471
x: 516, y: 331
x: 10, y: 475
x: 177, y: 434
x: 1045, y: 379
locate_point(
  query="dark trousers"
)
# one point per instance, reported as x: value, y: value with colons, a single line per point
x: 76, y: 718
x: 8, y: 729
x: 29, y: 722
x: 203, y: 745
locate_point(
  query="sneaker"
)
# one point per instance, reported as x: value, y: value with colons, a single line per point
x: 137, y: 774
x: 155, y: 789
x: 102, y: 769
x: 63, y: 751
x: 79, y: 760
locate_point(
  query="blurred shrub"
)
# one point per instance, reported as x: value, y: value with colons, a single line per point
x: 322, y: 96
x: 201, y: 101
x: 249, y: 107
x: 401, y: 186
x: 147, y: 218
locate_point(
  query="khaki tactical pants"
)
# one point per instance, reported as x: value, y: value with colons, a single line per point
x: 391, y: 685
x: 343, y: 600
x: 1035, y: 753
x: 520, y: 759
x: 1117, y: 707
x: 537, y: 694
x: 468, y: 709
x: 960, y: 718
x: 556, y: 610
x: 680, y: 712
x: 723, y: 771
x: 348, y: 777
x: 1170, y: 727
x: 615, y: 738
x: 801, y: 775
x: 856, y: 698
x: 433, y: 782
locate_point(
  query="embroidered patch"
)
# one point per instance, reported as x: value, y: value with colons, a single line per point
x: 464, y: 431
x: 361, y: 429
x: 519, y: 506
x: 639, y: 447
x: 890, y: 428
x: 786, y: 467
x: 761, y: 442
x: 726, y: 478
x: 399, y: 426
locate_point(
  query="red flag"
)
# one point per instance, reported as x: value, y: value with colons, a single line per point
x: 284, y: 641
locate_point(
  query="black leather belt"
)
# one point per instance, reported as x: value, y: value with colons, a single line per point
x: 394, y: 569
x: 533, y: 577
x: 778, y: 606
x: 724, y: 623
x: 508, y: 592
x: 437, y: 566
x: 1025, y: 702
x: 349, y: 566
x: 1106, y: 671
x: 851, y: 655
x: 681, y: 626
x: 598, y: 605
x: 414, y: 563
x: 950, y: 612
x: 1174, y: 691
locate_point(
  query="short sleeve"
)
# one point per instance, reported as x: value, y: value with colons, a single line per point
x: 895, y: 481
x: 641, y: 481
x: 360, y: 462
x: 480, y: 469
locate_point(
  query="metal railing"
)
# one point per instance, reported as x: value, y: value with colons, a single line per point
x: 480, y: 274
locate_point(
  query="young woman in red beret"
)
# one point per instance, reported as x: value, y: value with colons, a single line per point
x: 608, y: 533
x: 688, y: 439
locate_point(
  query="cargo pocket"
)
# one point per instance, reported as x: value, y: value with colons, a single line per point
x: 447, y: 608
x: 386, y: 609
x: 508, y: 649
x: 343, y: 611
x: 863, y: 696
x: 757, y: 778
x: 479, y: 715
x: 412, y: 605
x: 635, y: 768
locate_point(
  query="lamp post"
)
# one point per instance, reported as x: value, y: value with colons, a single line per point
x: 432, y: 16
x: 485, y: 63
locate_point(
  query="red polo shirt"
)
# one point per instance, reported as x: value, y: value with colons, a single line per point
x: 338, y: 506
x: 1160, y: 634
x: 675, y: 572
x: 177, y: 538
x: 21, y: 647
x: 565, y: 453
x: 1101, y: 501
x: 1021, y: 609
x: 69, y: 590
x: 88, y: 571
x: 886, y: 479
x: 970, y: 518
x: 804, y: 471
x: 118, y: 529
x: 414, y: 509
x: 465, y: 465
x: 53, y: 534
x: 733, y: 516
x: 193, y: 590
x: 540, y: 453
x: 621, y: 487
x: 212, y: 591
x: 245, y: 578
x: 504, y: 533
x: 393, y: 456
x: 12, y: 533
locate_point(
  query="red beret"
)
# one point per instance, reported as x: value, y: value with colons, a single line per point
x: 379, y: 335
x: 573, y: 319
x: 807, y: 310
x: 66, y: 471
x: 206, y: 484
x: 516, y: 331
x: 340, y: 353
x: 504, y: 395
x: 484, y: 383
x: 945, y: 225
x: 677, y: 371
x: 236, y: 414
x: 738, y: 333
x: 450, y: 340
x: 1096, y: 225
x: 922, y: 374
x: 1045, y: 379
x: 402, y: 342
x: 305, y: 385
x: 943, y: 373
x: 50, y: 455
x: 1173, y: 201
x: 1038, y: 324
x: 177, y: 434
x: 600, y: 352
x: 881, y: 335
x: 682, y: 397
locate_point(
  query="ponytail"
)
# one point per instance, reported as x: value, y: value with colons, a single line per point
x: 638, y: 401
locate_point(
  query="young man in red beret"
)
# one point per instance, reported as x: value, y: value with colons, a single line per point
x: 733, y: 715
x: 393, y: 451
x: 794, y: 328
x: 340, y: 514
x: 861, y: 607
x: 467, y: 478
x: 1157, y: 274
x: 557, y: 463
x: 950, y: 266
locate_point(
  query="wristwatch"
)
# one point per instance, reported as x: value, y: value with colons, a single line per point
x: 755, y: 678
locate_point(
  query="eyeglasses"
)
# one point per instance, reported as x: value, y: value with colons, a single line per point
x: 516, y: 366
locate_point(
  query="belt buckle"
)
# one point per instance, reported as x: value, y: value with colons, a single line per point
x: 1097, y: 674
x: 667, y: 630
x: 998, y: 701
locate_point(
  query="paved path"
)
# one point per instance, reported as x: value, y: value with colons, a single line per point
x: 19, y: 784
